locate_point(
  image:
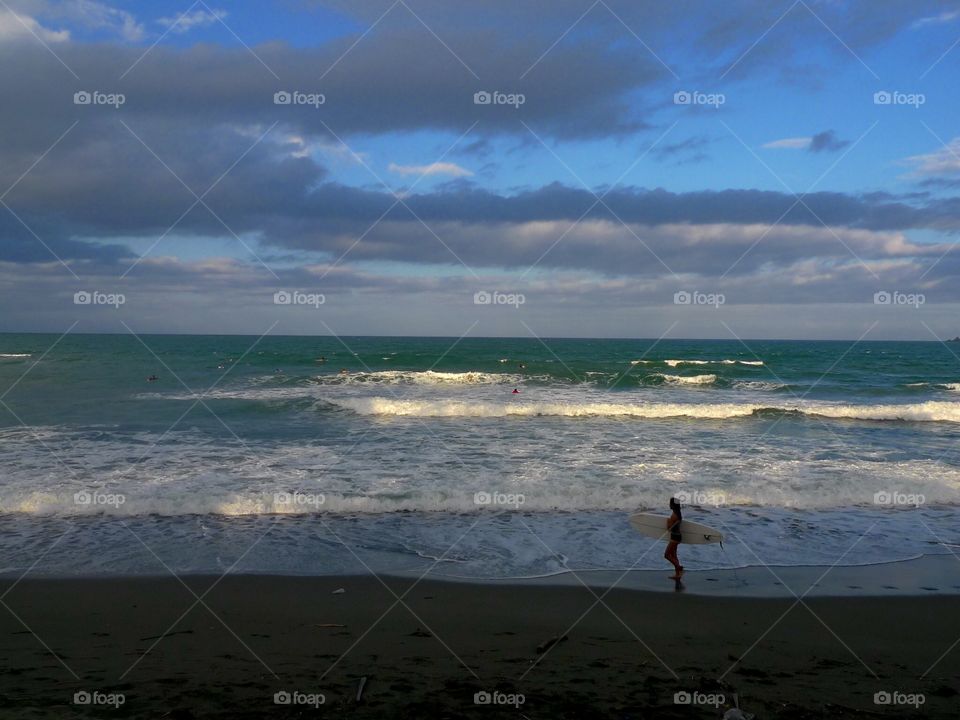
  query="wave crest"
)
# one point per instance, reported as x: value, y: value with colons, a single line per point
x: 421, y: 377
x: 917, y: 412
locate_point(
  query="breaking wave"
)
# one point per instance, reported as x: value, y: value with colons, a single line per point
x: 917, y: 412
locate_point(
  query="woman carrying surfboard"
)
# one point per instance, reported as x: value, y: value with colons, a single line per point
x: 673, y: 525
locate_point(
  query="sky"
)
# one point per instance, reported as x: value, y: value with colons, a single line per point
x: 608, y: 168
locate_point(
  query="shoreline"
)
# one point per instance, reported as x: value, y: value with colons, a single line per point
x: 924, y: 576
x: 928, y: 575
x: 427, y: 655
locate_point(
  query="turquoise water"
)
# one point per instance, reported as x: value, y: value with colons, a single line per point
x: 800, y: 450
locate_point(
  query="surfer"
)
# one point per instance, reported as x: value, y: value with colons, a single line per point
x: 515, y: 392
x: 673, y: 525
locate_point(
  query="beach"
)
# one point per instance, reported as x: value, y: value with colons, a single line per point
x: 426, y: 648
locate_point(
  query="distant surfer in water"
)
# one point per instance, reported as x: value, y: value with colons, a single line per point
x: 515, y: 392
x: 673, y: 525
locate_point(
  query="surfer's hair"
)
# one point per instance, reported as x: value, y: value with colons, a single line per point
x: 674, y: 504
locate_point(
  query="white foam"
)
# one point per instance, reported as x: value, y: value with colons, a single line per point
x: 228, y: 478
x: 761, y: 385
x: 675, y: 363
x: 952, y: 387
x: 420, y: 377
x: 917, y: 412
x: 691, y: 380
x: 460, y: 408
x: 15, y: 355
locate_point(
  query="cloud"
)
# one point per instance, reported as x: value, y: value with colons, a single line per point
x: 437, y: 168
x: 190, y: 20
x: 941, y: 19
x: 795, y: 143
x: 826, y: 141
x: 14, y: 26
x: 688, y: 150
x: 90, y: 15
x: 945, y: 161
x: 100, y: 16
x: 391, y: 84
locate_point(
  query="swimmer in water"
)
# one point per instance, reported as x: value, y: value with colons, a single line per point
x: 515, y: 392
x: 152, y: 378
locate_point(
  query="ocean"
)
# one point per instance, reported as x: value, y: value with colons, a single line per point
x: 319, y: 455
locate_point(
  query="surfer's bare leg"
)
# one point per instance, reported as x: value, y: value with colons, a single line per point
x: 671, y: 555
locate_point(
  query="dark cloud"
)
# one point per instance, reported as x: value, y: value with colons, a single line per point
x: 399, y: 82
x: 690, y: 149
x: 826, y: 141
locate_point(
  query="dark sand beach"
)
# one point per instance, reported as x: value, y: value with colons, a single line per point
x: 427, y: 656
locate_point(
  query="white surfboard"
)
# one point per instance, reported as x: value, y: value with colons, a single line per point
x: 691, y: 533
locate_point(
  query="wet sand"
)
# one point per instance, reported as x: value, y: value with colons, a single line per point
x: 428, y: 656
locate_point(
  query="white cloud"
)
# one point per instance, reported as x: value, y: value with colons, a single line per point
x: 941, y: 19
x: 14, y: 26
x: 187, y: 22
x: 437, y: 168
x: 303, y: 147
x: 797, y: 143
x: 97, y: 15
x: 93, y: 15
x: 944, y: 161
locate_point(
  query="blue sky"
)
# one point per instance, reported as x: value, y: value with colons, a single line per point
x: 599, y: 196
